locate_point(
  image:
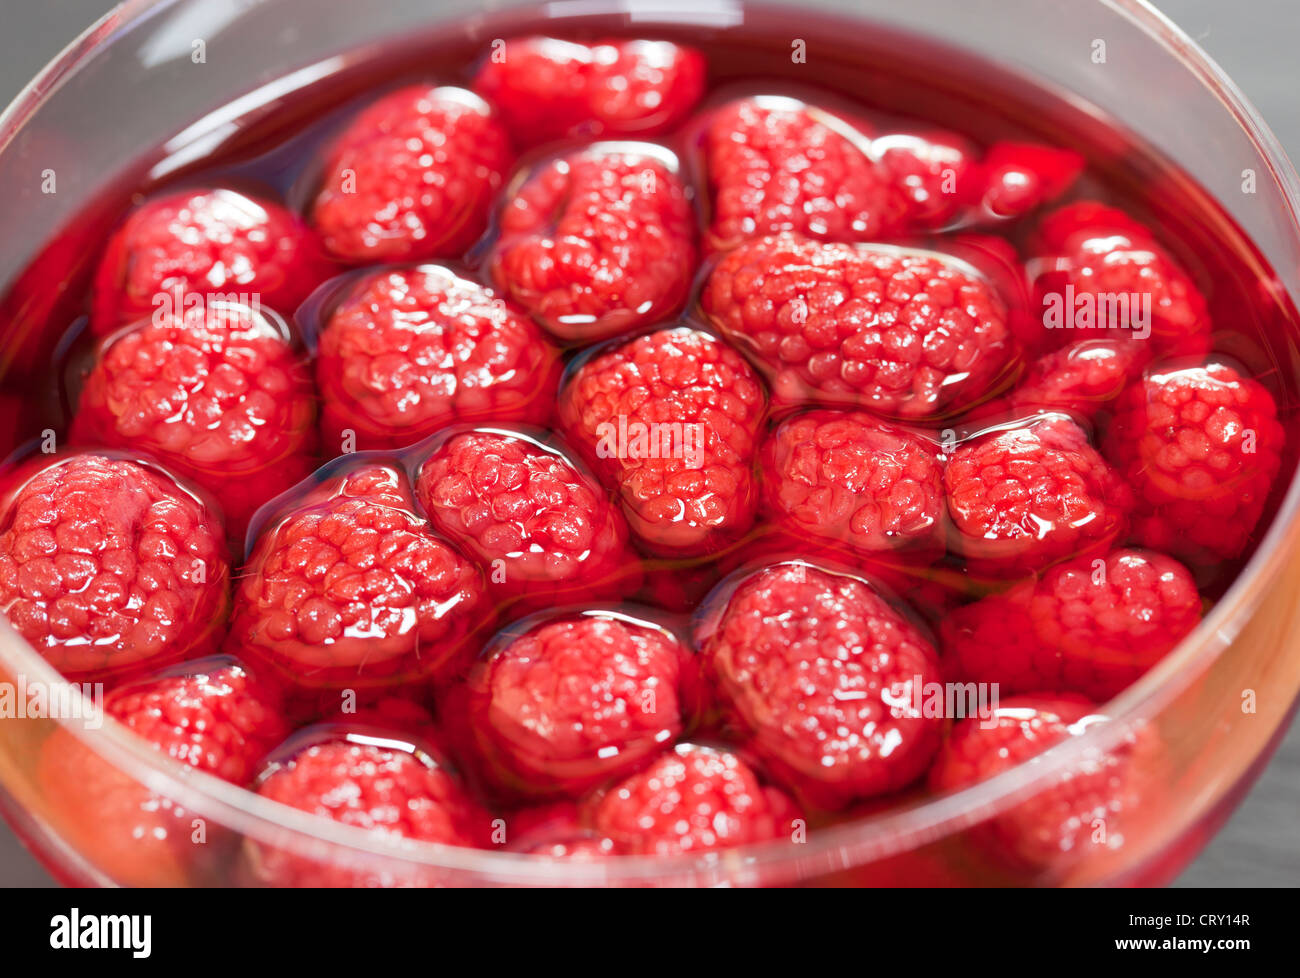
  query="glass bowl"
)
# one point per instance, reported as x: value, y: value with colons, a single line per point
x: 118, y: 107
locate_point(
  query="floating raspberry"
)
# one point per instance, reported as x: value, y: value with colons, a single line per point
x: 670, y: 419
x: 777, y: 164
x: 351, y: 590
x: 692, y: 799
x: 212, y: 715
x: 1018, y: 177
x: 110, y: 568
x: 1200, y: 446
x: 213, y: 244
x: 1102, y: 271
x: 541, y: 525
x: 388, y: 787
x: 410, y: 350
x: 598, y: 242
x: 1083, y: 377
x: 846, y: 479
x: 412, y: 177
x: 548, y: 89
x: 931, y: 173
x: 1027, y: 493
x: 1086, y: 809
x: 813, y: 666
x: 573, y: 702
x: 905, y: 332
x: 1090, y: 626
x: 218, y: 395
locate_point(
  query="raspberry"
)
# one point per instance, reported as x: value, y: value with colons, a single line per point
x: 1025, y: 494
x: 692, y: 799
x: 573, y: 702
x: 211, y: 715
x: 549, y: 89
x: 109, y: 568
x: 1088, y: 807
x: 598, y: 242
x: 907, y: 333
x: 777, y: 164
x: 1102, y: 271
x: 1083, y: 377
x: 218, y: 395
x: 847, y: 479
x: 1200, y: 447
x: 387, y: 787
x: 410, y: 350
x: 930, y: 173
x: 412, y: 177
x: 544, y: 527
x: 811, y: 666
x: 350, y: 590
x: 1090, y: 626
x: 670, y: 419
x: 210, y: 243
x: 1017, y: 177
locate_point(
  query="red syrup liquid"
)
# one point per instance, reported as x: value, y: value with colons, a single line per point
x: 901, y: 86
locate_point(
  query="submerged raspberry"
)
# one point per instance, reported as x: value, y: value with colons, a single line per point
x: 598, y: 242
x: 218, y: 395
x: 1028, y: 493
x: 109, y: 568
x: 211, y: 243
x: 852, y: 481
x: 410, y: 350
x: 692, y: 799
x: 1083, y: 377
x: 548, y: 89
x: 544, y: 528
x: 905, y: 332
x: 1089, y: 626
x: 411, y: 177
x: 670, y: 419
x: 817, y: 670
x: 350, y: 589
x: 1200, y: 446
x: 573, y: 702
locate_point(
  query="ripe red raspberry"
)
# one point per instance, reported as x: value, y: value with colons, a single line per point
x: 692, y: 799
x: 846, y: 479
x: 1090, y: 626
x: 573, y: 702
x: 1200, y: 446
x: 1088, y: 808
x: 777, y: 164
x: 598, y: 242
x: 218, y: 395
x: 210, y: 243
x: 1083, y: 377
x: 670, y: 419
x: 110, y: 568
x: 811, y: 666
x: 389, y: 788
x: 548, y: 89
x: 542, y: 526
x: 1101, y: 271
x: 411, y: 177
x: 212, y: 715
x: 1017, y: 177
x: 907, y: 333
x: 1025, y: 494
x: 407, y: 351
x: 350, y: 589
x: 932, y: 174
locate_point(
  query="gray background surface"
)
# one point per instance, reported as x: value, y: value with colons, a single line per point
x: 1254, y: 40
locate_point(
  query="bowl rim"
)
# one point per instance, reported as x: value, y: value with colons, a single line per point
x: 828, y: 848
